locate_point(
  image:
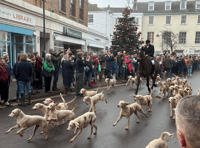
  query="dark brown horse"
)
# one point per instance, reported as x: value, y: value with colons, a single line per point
x: 145, y: 70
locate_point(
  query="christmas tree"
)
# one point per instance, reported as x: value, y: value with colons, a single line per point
x: 125, y: 36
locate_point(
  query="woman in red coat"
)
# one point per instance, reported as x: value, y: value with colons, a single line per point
x: 4, y: 86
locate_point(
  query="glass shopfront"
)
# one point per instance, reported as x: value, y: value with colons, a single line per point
x: 14, y: 44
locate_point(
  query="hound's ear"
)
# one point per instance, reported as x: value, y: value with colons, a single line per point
x: 57, y: 104
x: 127, y: 103
x: 85, y: 118
x: 51, y: 101
x: 77, y: 124
x: 133, y: 95
x: 41, y: 106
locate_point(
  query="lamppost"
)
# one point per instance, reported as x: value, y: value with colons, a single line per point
x: 162, y: 38
x: 44, y: 23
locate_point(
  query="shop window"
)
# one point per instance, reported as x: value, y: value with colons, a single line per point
x: 4, y: 36
x: 182, y: 37
x: 30, y: 39
x: 19, y: 38
x: 4, y: 47
x: 30, y: 48
x: 81, y: 6
x: 72, y: 7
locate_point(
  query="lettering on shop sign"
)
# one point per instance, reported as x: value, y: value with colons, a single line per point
x: 71, y: 32
x: 16, y: 16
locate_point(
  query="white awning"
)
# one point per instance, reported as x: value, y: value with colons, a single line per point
x: 69, y: 39
x: 96, y: 45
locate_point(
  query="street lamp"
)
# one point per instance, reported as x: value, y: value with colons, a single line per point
x: 44, y: 22
x: 162, y: 38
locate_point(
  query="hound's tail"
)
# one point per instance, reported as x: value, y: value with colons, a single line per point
x: 74, y: 107
x: 98, y: 88
x: 166, y: 133
x: 71, y: 101
x: 103, y: 90
x: 62, y: 98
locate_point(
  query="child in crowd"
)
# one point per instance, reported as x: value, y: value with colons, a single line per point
x: 123, y: 71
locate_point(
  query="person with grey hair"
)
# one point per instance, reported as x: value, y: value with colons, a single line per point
x: 49, y: 68
x: 94, y: 62
x: 56, y: 60
x: 188, y: 122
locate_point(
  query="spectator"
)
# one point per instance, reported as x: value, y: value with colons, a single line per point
x: 189, y: 65
x: 17, y: 79
x: 119, y: 63
x: 123, y: 71
x: 168, y: 65
x: 24, y: 74
x: 128, y: 61
x: 135, y: 63
x: 4, y: 86
x: 94, y: 61
x: 187, y: 122
x: 88, y: 72
x: 115, y: 68
x: 102, y: 63
x: 33, y: 79
x: 7, y: 66
x: 38, y: 71
x: 79, y: 72
x: 48, y: 72
x: 67, y: 72
x: 109, y: 60
x: 56, y: 60
x: 158, y: 58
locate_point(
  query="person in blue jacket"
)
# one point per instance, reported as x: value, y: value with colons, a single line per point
x: 109, y: 61
x: 114, y: 68
x: 67, y: 72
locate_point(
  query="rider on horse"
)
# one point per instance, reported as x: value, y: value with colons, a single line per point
x: 149, y: 52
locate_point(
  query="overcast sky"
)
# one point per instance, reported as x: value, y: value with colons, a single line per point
x: 116, y: 3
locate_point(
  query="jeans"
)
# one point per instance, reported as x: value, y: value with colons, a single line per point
x: 23, y: 85
x: 189, y: 70
x: 55, y: 79
x: 18, y: 90
x: 88, y: 77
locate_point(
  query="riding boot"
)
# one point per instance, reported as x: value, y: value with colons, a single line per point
x: 29, y: 98
x: 22, y: 103
x: 152, y: 71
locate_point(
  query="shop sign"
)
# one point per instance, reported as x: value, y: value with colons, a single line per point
x: 16, y: 16
x: 72, y: 33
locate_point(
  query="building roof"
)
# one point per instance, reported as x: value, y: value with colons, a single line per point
x: 159, y: 7
x: 93, y: 7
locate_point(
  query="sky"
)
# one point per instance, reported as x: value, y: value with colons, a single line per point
x: 116, y: 3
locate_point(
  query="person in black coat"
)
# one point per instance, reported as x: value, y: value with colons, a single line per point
x: 88, y: 72
x: 149, y: 49
x: 67, y: 72
x: 109, y: 60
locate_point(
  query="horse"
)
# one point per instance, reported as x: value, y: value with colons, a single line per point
x: 145, y: 70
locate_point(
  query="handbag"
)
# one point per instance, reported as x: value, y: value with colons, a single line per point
x: 99, y: 67
x: 45, y: 75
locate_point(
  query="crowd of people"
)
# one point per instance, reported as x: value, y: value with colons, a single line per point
x: 31, y: 72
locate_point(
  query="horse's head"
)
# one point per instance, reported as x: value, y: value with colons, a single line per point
x: 141, y: 54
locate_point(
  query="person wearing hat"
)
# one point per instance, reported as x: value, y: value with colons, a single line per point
x: 80, y: 64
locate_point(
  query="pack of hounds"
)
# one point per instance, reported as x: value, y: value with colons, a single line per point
x: 176, y: 88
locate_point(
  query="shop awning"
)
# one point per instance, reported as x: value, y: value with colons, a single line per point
x: 96, y: 45
x: 69, y: 39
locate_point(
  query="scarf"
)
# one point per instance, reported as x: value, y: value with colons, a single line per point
x: 94, y: 58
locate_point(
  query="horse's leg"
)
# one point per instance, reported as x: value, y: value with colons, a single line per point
x: 148, y: 84
x: 138, y: 83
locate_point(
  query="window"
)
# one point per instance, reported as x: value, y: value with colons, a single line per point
x: 72, y: 7
x: 198, y: 4
x: 90, y: 18
x: 62, y: 5
x: 183, y: 5
x: 183, y: 19
x: 198, y: 21
x: 81, y: 2
x: 167, y: 5
x: 151, y: 18
x: 150, y: 36
x: 137, y: 20
x: 151, y: 6
x: 168, y: 20
x: 197, y: 38
x: 182, y: 37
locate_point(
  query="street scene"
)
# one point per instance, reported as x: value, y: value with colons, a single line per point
x: 99, y: 73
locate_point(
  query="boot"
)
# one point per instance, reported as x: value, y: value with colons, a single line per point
x: 29, y: 98
x: 33, y: 92
x: 67, y: 89
x: 22, y: 100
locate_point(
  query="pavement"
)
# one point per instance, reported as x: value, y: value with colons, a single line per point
x: 138, y: 135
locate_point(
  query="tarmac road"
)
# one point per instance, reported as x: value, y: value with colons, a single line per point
x: 138, y: 135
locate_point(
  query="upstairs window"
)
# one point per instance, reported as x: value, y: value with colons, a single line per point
x: 72, y: 7
x: 198, y: 21
x: 183, y: 5
x: 168, y: 20
x: 183, y: 19
x: 90, y: 18
x: 151, y: 6
x: 81, y: 2
x: 151, y: 20
x: 167, y: 5
x: 62, y: 5
x: 198, y: 4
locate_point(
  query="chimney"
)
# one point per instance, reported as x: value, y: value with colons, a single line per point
x: 108, y: 6
x: 134, y: 4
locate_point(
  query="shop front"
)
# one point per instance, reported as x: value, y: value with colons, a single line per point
x: 15, y: 41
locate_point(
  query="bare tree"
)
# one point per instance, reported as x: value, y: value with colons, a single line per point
x: 170, y: 39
